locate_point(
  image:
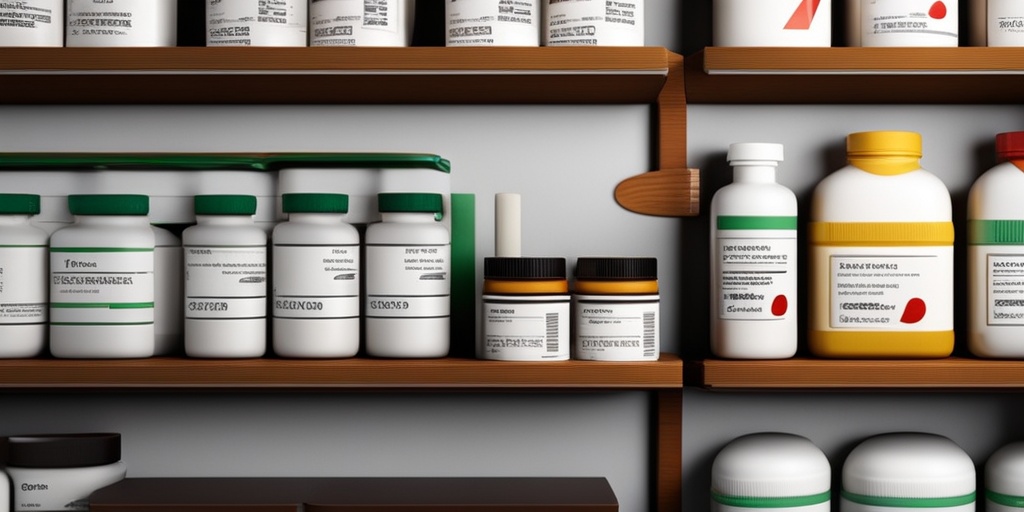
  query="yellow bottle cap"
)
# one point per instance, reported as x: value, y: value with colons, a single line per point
x: 884, y: 143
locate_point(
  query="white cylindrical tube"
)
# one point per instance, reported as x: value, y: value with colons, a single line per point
x: 508, y: 225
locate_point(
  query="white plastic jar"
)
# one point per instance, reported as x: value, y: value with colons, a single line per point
x: 754, y: 259
x: 616, y: 309
x: 1004, y: 479
x: 101, y: 279
x: 316, y: 278
x: 32, y: 23
x: 122, y: 23
x: 525, y: 309
x: 60, y: 471
x: 593, y: 23
x: 908, y: 472
x: 168, y: 284
x: 24, y: 292
x: 771, y: 471
x: 771, y: 23
x: 997, y: 23
x: 251, y: 23
x: 361, y: 23
x: 995, y: 254
x: 408, y: 278
x: 927, y: 23
x: 225, y: 279
x: 492, y: 22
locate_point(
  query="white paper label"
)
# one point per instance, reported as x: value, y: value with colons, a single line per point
x: 625, y: 330
x: 1005, y: 287
x: 225, y: 282
x: 915, y: 20
x: 316, y: 281
x: 495, y: 23
x: 531, y: 329
x: 408, y: 281
x: 595, y: 23
x: 256, y: 22
x: 758, y: 276
x: 337, y: 22
x: 1005, y: 23
x: 101, y: 286
x: 23, y: 290
x: 31, y: 22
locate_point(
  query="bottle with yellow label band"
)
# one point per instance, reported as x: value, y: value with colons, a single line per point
x: 881, y: 254
x: 526, y: 306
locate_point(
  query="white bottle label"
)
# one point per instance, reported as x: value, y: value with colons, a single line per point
x: 530, y: 329
x: 119, y: 22
x: 256, y: 22
x: 626, y: 329
x: 408, y: 281
x: 31, y: 23
x: 316, y: 281
x: 101, y: 286
x: 1005, y: 23
x: 225, y: 282
x: 493, y: 23
x: 907, y: 289
x: 909, y: 22
x: 758, y: 275
x: 337, y: 22
x: 23, y: 291
x: 595, y: 23
x: 1005, y: 287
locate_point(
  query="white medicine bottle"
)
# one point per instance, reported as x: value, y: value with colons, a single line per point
x: 408, y: 278
x: 754, y: 259
x: 225, y: 279
x: 316, y: 266
x: 101, y: 279
x: 23, y: 269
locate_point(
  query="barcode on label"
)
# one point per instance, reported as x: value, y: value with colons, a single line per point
x: 649, y: 334
x: 552, y: 332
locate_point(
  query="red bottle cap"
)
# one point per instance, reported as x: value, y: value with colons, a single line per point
x: 1010, y: 146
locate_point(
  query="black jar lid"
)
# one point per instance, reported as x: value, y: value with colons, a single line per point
x: 62, y: 450
x: 633, y: 269
x: 524, y: 268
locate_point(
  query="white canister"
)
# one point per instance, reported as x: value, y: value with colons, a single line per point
x: 908, y: 472
x: 1004, y: 479
x: 249, y: 23
x: 32, y: 23
x: 771, y: 470
x: 772, y: 23
x: 593, y: 23
x: 902, y: 23
x: 997, y: 23
x: 24, y: 291
x: 122, y: 23
x: 361, y: 22
x: 492, y: 22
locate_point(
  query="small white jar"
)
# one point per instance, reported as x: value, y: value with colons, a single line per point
x: 1004, y: 479
x: 525, y: 310
x: 771, y: 471
x: 102, y: 288
x: 908, y: 472
x: 408, y: 278
x: 167, y: 309
x: 771, y: 23
x: 359, y: 23
x: 250, y: 23
x: 316, y: 278
x: 60, y: 471
x: 616, y: 310
x: 23, y: 271
x: 492, y: 23
x: 225, y: 279
x: 925, y: 23
x: 32, y: 23
x: 122, y: 23
x: 593, y: 23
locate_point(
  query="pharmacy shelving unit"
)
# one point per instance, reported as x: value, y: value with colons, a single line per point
x: 426, y: 75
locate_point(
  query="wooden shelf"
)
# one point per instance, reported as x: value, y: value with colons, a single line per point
x: 856, y: 75
x: 953, y: 373
x: 355, y: 374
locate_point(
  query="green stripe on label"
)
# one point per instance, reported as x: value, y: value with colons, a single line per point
x: 100, y: 249
x: 883, y: 501
x: 102, y: 305
x: 771, y: 502
x: 995, y: 232
x: 755, y: 222
x: 1007, y: 500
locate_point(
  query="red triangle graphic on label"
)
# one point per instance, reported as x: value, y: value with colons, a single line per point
x: 803, y: 15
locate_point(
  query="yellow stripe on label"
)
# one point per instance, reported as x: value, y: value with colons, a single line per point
x: 538, y: 286
x: 886, y: 165
x: 880, y: 234
x: 616, y: 287
x: 881, y: 344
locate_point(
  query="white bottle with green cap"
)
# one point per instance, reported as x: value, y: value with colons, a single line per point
x: 771, y: 471
x: 408, y: 278
x: 101, y: 279
x: 23, y: 267
x: 316, y: 278
x: 225, y: 279
x: 754, y: 259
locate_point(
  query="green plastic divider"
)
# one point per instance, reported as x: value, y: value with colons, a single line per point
x: 463, y: 299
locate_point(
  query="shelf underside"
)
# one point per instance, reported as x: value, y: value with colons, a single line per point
x: 856, y: 75
x: 356, y: 373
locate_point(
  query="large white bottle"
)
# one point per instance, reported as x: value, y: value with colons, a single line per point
x: 24, y: 291
x: 754, y: 259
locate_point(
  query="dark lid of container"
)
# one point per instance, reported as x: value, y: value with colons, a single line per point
x: 1009, y: 146
x: 410, y: 202
x: 62, y: 450
x: 19, y: 204
x: 314, y: 203
x: 635, y: 269
x: 225, y: 205
x: 108, y: 204
x: 524, y: 268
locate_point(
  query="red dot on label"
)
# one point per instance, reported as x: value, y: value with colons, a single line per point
x: 780, y: 305
x: 914, y: 311
x: 938, y: 10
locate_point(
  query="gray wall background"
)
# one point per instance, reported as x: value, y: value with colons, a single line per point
x: 565, y: 161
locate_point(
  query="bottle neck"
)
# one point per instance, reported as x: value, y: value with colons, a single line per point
x: 316, y: 218
x: 753, y: 173
x: 112, y: 220
x: 407, y: 217
x: 888, y: 165
x: 13, y: 219
x: 224, y: 220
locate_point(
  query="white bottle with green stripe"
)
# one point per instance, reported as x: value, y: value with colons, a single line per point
x: 23, y: 268
x: 1004, y: 479
x: 754, y: 259
x: 771, y: 472
x: 101, y: 279
x: 995, y: 254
